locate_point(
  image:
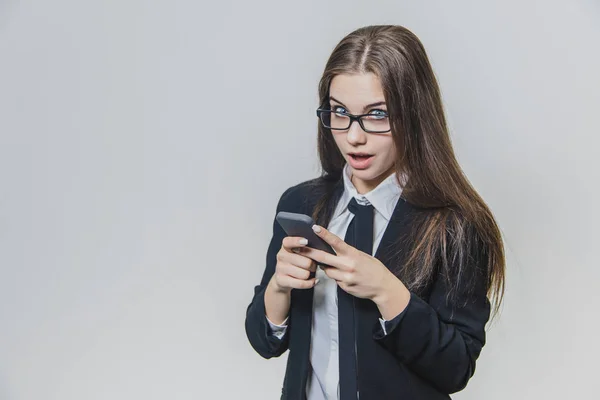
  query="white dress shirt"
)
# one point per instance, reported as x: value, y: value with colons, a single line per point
x: 323, y: 382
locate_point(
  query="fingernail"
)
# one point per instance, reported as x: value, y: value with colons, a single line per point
x: 303, y: 241
x: 316, y: 281
x: 316, y: 228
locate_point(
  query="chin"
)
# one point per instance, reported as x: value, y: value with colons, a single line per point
x: 366, y: 174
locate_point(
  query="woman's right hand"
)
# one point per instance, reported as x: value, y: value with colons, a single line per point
x: 293, y: 270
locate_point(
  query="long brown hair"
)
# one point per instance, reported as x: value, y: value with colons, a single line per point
x: 456, y: 221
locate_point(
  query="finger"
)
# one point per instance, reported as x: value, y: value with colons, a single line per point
x: 344, y: 286
x: 322, y: 257
x: 288, y: 281
x: 313, y: 266
x: 298, y: 260
x: 294, y: 271
x: 335, y: 274
x: 291, y: 242
x: 338, y: 245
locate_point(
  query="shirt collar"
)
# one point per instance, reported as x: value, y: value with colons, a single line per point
x: 383, y: 198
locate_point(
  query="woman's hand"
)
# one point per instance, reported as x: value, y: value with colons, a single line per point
x: 293, y: 270
x: 360, y: 274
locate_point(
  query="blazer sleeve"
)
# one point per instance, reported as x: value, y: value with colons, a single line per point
x: 441, y: 339
x: 258, y: 330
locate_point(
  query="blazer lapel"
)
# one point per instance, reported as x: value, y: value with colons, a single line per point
x: 387, y: 252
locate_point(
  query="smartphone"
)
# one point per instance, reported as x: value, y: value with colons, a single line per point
x: 295, y: 224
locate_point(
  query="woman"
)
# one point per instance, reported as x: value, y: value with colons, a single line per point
x: 399, y: 312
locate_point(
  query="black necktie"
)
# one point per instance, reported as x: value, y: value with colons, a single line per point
x: 359, y: 235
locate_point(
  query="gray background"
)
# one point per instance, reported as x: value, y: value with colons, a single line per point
x: 144, y: 145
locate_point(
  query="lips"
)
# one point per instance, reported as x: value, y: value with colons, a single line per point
x: 360, y: 156
x: 360, y: 160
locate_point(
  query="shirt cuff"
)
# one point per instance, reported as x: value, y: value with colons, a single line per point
x: 277, y: 330
x: 387, y: 326
x: 382, y: 322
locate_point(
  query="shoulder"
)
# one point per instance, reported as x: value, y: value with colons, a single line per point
x: 302, y: 196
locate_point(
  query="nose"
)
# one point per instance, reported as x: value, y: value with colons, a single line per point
x: 356, y: 135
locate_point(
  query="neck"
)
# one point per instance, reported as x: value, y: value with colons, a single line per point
x: 363, y: 186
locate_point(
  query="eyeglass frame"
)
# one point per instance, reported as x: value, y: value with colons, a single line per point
x: 352, y: 117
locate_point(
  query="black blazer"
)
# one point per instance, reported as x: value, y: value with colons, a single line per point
x: 430, y: 349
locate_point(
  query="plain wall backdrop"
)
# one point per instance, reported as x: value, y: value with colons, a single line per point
x: 144, y: 146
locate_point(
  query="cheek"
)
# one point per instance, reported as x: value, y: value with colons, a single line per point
x: 338, y: 141
x: 388, y: 157
x: 388, y: 149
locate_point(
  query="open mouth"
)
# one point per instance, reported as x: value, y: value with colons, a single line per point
x: 360, y: 161
x: 360, y: 156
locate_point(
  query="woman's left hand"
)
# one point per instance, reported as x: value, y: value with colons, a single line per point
x: 357, y: 272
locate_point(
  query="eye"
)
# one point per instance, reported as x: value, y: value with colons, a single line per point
x: 378, y: 114
x: 339, y: 110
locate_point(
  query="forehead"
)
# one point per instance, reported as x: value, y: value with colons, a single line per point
x: 356, y: 90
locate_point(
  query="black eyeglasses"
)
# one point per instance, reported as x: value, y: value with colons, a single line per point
x: 338, y: 120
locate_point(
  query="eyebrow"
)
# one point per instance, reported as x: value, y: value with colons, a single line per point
x: 368, y: 106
